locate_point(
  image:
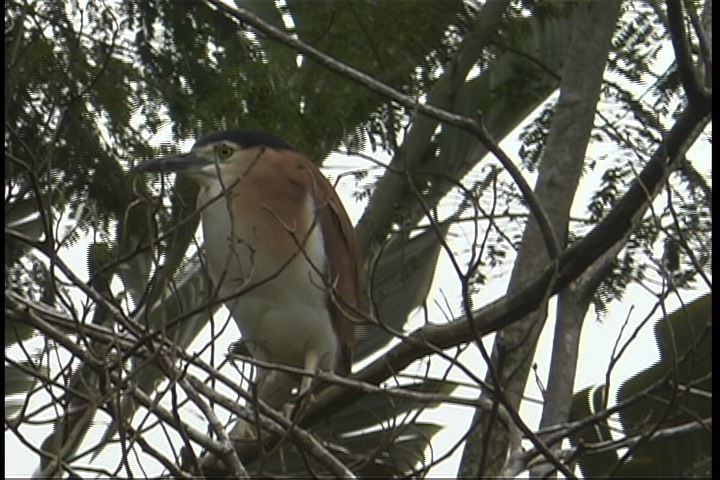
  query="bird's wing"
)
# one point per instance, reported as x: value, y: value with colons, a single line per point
x: 347, y: 294
x: 348, y: 301
x: 344, y: 275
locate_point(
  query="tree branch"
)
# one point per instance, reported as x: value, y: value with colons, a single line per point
x: 689, y: 75
x: 469, y: 124
x: 572, y: 263
x: 704, y: 41
x: 632, y: 440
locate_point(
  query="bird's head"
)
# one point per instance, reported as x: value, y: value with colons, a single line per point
x: 216, y: 155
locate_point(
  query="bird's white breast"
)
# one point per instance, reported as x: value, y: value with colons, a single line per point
x: 282, y: 313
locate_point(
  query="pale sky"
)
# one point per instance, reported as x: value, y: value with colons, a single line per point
x: 598, y: 338
x: 597, y: 342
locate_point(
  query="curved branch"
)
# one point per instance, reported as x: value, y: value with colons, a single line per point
x: 469, y: 124
x: 572, y: 263
x: 689, y: 75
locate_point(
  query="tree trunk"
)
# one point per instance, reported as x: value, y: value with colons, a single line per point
x: 488, y: 446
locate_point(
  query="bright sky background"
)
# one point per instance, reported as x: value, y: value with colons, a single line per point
x: 598, y: 338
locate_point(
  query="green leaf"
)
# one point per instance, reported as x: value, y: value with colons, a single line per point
x: 19, y: 381
x: 401, y: 280
x: 584, y: 404
x: 373, y: 435
x: 684, y: 341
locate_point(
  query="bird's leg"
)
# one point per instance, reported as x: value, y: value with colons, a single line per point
x: 274, y: 388
x: 311, y: 364
x: 305, y: 394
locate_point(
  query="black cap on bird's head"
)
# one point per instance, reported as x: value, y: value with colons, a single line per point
x: 246, y: 138
x: 239, y: 138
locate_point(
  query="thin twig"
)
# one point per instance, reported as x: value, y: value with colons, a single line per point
x: 473, y: 125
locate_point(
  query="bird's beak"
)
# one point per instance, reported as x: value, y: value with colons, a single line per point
x: 171, y: 163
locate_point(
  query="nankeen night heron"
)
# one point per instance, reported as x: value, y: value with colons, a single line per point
x: 280, y: 247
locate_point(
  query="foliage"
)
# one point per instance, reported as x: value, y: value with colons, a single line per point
x: 93, y: 86
x: 676, y: 391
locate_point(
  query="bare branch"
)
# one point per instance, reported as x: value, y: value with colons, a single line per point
x: 704, y: 40
x: 573, y: 263
x: 689, y: 75
x: 469, y: 124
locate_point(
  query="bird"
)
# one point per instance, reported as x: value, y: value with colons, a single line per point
x: 281, y: 251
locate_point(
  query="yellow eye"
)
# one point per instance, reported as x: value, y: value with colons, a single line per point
x: 224, y: 151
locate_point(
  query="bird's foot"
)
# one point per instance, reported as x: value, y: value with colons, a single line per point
x: 287, y: 410
x: 243, y: 431
x: 303, y: 402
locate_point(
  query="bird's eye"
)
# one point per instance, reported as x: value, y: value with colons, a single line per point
x: 224, y: 151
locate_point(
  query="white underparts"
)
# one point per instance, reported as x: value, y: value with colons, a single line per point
x: 282, y: 314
